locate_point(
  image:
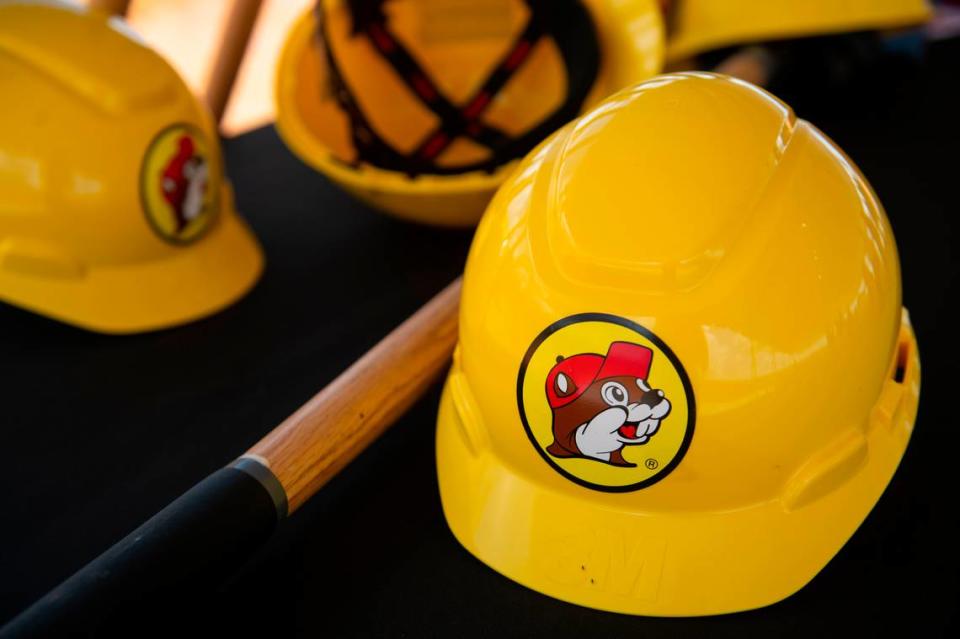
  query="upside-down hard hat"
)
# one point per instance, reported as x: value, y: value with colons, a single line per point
x: 695, y: 26
x: 683, y: 376
x: 114, y: 211
x: 421, y: 107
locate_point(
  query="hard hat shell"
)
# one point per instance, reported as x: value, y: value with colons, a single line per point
x: 695, y: 26
x: 694, y: 216
x: 458, y: 55
x: 114, y: 212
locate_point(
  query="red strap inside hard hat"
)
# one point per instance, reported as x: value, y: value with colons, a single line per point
x: 454, y: 121
x: 567, y: 21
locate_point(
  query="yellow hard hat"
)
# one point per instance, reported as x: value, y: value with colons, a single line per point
x: 114, y: 211
x: 695, y: 26
x: 420, y: 107
x: 684, y: 375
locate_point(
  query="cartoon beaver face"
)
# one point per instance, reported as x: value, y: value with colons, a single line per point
x: 184, y: 183
x: 602, y: 403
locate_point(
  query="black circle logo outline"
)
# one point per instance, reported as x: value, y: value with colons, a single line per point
x: 144, y: 204
x: 659, y: 343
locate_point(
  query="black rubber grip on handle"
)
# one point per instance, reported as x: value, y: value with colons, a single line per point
x: 187, y: 547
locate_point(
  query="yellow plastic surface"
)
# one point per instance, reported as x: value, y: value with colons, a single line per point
x: 90, y: 120
x: 700, y: 25
x: 700, y: 208
x: 458, y: 55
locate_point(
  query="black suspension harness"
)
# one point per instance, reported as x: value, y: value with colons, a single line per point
x: 567, y: 21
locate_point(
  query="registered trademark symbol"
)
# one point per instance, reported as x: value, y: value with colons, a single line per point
x: 652, y: 463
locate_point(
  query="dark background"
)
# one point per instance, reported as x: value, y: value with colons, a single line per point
x: 98, y: 433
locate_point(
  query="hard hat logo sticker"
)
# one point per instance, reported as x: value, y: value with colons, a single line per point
x: 178, y: 197
x: 605, y: 402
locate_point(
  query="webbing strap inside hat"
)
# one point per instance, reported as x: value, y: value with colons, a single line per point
x: 566, y: 21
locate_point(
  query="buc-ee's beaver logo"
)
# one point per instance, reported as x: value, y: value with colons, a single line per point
x: 606, y: 403
x: 179, y: 199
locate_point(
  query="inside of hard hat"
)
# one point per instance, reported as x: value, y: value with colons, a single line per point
x: 444, y: 87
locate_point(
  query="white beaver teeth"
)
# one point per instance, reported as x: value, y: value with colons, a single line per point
x: 646, y: 428
x: 640, y: 412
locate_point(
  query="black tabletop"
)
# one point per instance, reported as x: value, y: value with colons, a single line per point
x: 97, y: 433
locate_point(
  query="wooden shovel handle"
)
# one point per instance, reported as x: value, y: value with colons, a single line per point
x: 209, y: 530
x: 326, y: 433
x: 111, y: 7
x: 233, y: 45
x: 753, y: 64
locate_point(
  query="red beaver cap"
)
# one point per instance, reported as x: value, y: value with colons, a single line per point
x: 184, y: 152
x: 579, y: 371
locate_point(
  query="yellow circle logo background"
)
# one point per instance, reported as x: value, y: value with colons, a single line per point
x: 177, y: 185
x: 594, y: 333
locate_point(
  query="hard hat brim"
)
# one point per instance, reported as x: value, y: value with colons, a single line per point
x: 208, y: 276
x: 561, y: 540
x: 722, y: 24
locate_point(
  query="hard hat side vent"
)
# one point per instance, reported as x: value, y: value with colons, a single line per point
x: 826, y: 470
x: 903, y: 357
x: 26, y: 256
x: 466, y: 408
